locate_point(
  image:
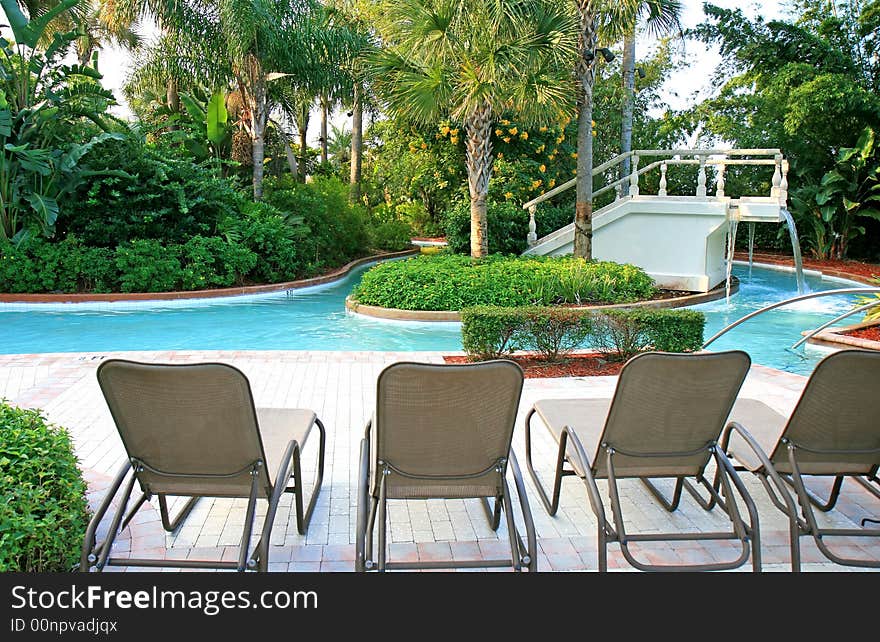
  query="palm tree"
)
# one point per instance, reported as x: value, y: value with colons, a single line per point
x: 608, y: 18
x: 246, y: 43
x: 339, y: 144
x: 472, y: 62
x: 662, y: 17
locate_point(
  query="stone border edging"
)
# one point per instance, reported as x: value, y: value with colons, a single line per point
x: 786, y: 262
x: 112, y: 297
x: 394, y: 314
x: 837, y: 339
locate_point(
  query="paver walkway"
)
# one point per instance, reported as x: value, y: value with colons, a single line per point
x: 340, y: 387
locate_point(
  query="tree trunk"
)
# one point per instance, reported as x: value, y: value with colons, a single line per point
x: 583, y: 217
x: 171, y: 95
x: 357, y: 143
x: 325, y: 108
x: 253, y: 89
x: 303, y: 143
x: 478, y: 129
x: 628, y: 71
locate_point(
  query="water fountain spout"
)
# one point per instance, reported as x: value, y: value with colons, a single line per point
x: 795, y: 248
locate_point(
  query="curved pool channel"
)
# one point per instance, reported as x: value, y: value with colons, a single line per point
x: 316, y: 319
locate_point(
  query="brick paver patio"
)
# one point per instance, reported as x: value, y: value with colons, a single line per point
x: 340, y: 387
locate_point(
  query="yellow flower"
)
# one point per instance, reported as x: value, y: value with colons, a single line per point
x: 551, y: 157
x: 540, y: 149
x: 454, y: 132
x: 505, y: 122
x: 552, y: 183
x: 454, y: 140
x: 508, y: 195
x: 542, y: 129
x: 498, y: 132
x: 536, y: 184
x: 444, y: 129
x: 524, y: 135
x: 574, y: 171
x: 513, y: 131
x: 507, y: 139
x: 560, y: 138
x: 574, y: 154
x: 412, y: 148
x: 592, y: 123
x: 500, y: 155
x: 424, y: 145
x: 555, y: 151
x: 543, y: 168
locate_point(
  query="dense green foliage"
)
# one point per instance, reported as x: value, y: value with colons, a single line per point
x: 451, y: 282
x: 508, y: 226
x: 809, y: 85
x: 489, y: 332
x: 43, y: 511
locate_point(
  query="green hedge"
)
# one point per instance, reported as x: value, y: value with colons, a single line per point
x: 43, y: 510
x: 489, y: 332
x: 452, y: 282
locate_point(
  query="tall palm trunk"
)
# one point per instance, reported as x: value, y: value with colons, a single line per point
x: 583, y: 216
x: 325, y: 108
x: 478, y: 129
x: 303, y: 144
x: 252, y: 84
x: 628, y: 72
x: 357, y: 142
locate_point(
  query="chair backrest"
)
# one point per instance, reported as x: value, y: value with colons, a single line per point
x: 196, y: 423
x: 669, y: 408
x: 443, y: 428
x: 838, y: 413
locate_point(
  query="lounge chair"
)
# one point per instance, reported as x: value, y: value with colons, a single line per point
x: 193, y: 431
x: 442, y: 431
x: 833, y: 432
x: 664, y: 421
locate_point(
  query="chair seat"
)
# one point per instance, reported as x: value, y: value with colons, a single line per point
x: 585, y: 417
x: 763, y: 423
x: 280, y: 426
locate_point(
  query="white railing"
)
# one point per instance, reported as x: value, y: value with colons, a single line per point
x: 721, y: 159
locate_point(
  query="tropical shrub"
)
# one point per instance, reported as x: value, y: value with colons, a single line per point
x: 43, y: 510
x: 214, y: 262
x: 453, y: 282
x: 159, y: 195
x: 272, y: 236
x: 508, y: 226
x: 487, y: 331
x: 391, y: 235
x: 554, y: 332
x: 337, y: 230
x: 37, y: 265
x: 44, y: 107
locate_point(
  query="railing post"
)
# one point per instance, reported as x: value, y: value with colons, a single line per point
x: 634, y: 177
x: 777, y: 176
x: 701, y: 177
x: 662, y: 191
x: 532, y: 236
x: 783, y: 184
x: 719, y: 183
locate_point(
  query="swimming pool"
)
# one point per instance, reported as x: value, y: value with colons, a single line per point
x: 316, y: 319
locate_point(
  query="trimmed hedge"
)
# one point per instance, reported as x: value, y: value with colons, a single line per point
x: 452, y: 282
x: 490, y: 332
x: 43, y: 510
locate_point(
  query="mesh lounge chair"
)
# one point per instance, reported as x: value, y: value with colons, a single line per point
x: 664, y: 421
x: 442, y: 431
x: 834, y: 431
x: 192, y: 431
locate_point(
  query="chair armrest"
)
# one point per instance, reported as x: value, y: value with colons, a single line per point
x: 363, y: 501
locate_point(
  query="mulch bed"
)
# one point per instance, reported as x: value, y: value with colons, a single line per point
x: 826, y: 266
x: 579, y: 364
x: 871, y: 334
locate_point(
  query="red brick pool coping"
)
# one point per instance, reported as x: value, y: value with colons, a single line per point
x: 112, y: 297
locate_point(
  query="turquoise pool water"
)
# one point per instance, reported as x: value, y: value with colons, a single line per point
x: 316, y: 320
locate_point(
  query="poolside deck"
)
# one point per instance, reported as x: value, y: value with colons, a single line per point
x: 340, y: 387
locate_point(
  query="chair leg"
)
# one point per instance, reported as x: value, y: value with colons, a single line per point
x: 670, y: 506
x: 511, y: 529
x: 89, y: 548
x: 382, y: 501
x: 550, y: 504
x: 167, y: 523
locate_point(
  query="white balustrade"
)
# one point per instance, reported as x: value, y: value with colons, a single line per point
x: 701, y: 177
x: 663, y: 168
x: 719, y: 183
x: 634, y: 177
